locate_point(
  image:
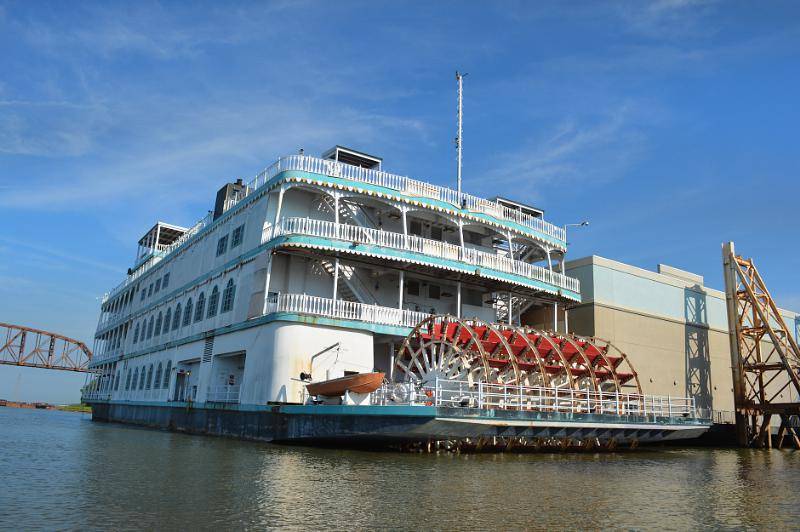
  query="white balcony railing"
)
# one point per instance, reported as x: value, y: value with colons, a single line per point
x: 403, y: 184
x: 400, y: 183
x: 348, y: 310
x: 224, y: 393
x: 462, y: 394
x: 425, y: 246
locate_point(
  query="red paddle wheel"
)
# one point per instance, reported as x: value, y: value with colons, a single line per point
x: 450, y: 348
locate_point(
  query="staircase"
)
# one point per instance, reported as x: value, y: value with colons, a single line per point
x: 351, y: 213
x: 350, y: 286
x: 519, y: 304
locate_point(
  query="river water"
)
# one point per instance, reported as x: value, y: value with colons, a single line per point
x: 61, y: 470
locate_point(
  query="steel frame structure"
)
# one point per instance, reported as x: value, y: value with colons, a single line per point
x: 765, y: 358
x: 25, y: 346
x: 444, y: 347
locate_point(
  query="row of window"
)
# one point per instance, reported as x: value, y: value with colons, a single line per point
x: 161, y: 282
x: 145, y: 380
x: 236, y: 239
x: 157, y: 325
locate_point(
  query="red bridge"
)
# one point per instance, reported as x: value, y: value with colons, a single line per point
x: 24, y: 346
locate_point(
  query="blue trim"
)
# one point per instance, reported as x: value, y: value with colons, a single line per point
x: 413, y: 256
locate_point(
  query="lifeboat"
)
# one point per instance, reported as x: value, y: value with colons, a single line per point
x: 356, y: 383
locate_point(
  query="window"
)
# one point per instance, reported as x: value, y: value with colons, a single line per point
x: 228, y: 295
x: 166, y: 374
x: 135, y: 379
x: 222, y: 245
x: 157, y: 331
x: 213, y: 303
x: 157, y: 381
x: 434, y: 291
x: 165, y: 282
x: 141, y: 378
x: 237, y: 236
x: 150, y: 290
x: 412, y: 288
x: 473, y: 297
x: 150, y: 376
x: 144, y: 293
x: 176, y: 321
x: 128, y: 381
x: 167, y: 320
x: 158, y: 286
x: 150, y: 328
x: 201, y: 306
x: 415, y: 227
x: 187, y: 313
x: 116, y: 382
x: 136, y: 333
x: 436, y: 233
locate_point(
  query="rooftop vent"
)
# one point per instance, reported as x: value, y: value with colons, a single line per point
x: 353, y: 157
x: 224, y: 194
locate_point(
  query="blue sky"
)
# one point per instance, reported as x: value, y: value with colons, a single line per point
x: 659, y: 122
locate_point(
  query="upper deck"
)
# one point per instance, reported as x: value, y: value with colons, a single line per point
x: 372, y: 182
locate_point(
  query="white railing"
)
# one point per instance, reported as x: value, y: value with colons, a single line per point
x: 95, y: 396
x: 425, y: 246
x: 348, y: 310
x: 461, y: 394
x: 224, y: 393
x: 403, y: 184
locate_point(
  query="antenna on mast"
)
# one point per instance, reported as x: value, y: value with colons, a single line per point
x: 459, y: 79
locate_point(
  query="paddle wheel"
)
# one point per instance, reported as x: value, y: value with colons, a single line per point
x: 449, y: 348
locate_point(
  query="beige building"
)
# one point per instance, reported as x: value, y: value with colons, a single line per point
x: 673, y: 328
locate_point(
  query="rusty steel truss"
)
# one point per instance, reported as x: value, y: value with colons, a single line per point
x: 450, y: 348
x: 765, y: 359
x: 24, y: 346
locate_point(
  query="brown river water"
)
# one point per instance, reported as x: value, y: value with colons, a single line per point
x: 60, y: 470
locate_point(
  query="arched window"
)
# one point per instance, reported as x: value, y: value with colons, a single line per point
x: 136, y: 333
x: 157, y: 381
x: 149, y: 376
x: 176, y: 320
x: 228, y: 295
x: 157, y: 331
x: 167, y: 320
x: 150, y: 328
x: 128, y: 381
x: 135, y: 379
x: 116, y: 382
x: 213, y: 303
x: 201, y: 306
x: 166, y: 373
x: 187, y: 313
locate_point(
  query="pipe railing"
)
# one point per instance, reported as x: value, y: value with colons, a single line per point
x: 462, y: 394
x: 224, y: 393
x: 349, y: 310
x: 424, y: 246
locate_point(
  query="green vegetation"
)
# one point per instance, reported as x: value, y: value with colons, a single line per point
x: 76, y: 408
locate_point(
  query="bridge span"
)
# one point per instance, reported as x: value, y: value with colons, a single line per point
x: 25, y: 346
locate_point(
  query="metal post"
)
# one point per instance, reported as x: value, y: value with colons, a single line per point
x: 278, y: 210
x: 510, y: 307
x: 335, y: 279
x: 459, y: 136
x: 458, y: 299
x: 555, y: 317
x: 461, y: 232
x: 402, y: 284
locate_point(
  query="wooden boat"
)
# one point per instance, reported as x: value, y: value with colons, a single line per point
x: 356, y: 383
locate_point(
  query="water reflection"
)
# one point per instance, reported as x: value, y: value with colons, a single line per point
x: 102, y: 476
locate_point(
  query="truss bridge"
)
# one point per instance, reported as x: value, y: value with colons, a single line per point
x: 25, y: 346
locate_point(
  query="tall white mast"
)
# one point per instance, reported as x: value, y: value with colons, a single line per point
x: 459, y: 79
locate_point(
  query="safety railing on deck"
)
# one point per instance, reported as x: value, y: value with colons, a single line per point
x: 224, y: 393
x: 348, y: 310
x: 424, y: 246
x: 403, y: 184
x: 462, y: 394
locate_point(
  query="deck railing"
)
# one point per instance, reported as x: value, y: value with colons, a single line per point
x: 462, y: 394
x: 224, y: 393
x: 400, y: 183
x: 348, y: 310
x: 425, y: 246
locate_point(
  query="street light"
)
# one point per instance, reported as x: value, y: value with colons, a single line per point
x: 582, y: 224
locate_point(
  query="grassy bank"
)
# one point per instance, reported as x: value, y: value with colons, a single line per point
x: 76, y: 408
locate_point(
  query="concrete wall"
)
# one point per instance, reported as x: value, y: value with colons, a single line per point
x: 673, y: 328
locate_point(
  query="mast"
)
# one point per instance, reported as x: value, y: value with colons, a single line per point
x: 459, y: 79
